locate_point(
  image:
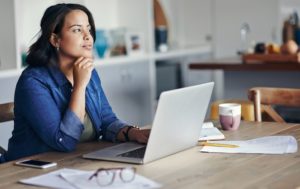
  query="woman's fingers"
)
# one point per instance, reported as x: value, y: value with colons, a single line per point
x: 146, y: 132
x: 143, y: 136
x: 82, y: 71
x: 142, y: 140
x: 78, y: 60
x: 84, y: 62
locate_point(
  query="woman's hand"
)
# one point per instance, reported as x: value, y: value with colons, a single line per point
x: 82, y: 71
x: 139, y: 135
x: 134, y: 134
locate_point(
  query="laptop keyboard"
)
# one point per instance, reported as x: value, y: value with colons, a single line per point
x: 137, y: 153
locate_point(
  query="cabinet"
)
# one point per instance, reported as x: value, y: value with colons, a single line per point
x: 127, y: 87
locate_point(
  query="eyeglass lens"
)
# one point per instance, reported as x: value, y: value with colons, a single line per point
x: 127, y: 174
x: 107, y: 177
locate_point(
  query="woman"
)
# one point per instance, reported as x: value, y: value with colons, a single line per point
x: 59, y: 100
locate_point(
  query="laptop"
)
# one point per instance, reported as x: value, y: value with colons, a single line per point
x: 176, y: 127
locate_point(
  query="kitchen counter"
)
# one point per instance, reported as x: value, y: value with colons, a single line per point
x: 236, y: 64
x: 233, y: 78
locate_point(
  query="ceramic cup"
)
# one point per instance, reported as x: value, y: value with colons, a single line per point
x: 230, y: 116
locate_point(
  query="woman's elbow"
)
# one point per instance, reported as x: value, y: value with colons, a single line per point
x: 66, y: 145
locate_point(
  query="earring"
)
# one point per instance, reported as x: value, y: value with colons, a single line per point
x: 57, y: 48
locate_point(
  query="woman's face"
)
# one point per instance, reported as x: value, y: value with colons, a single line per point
x: 76, y: 40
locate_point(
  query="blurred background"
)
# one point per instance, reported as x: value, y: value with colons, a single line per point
x: 170, y: 34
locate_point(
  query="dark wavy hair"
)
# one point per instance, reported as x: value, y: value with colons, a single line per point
x: 42, y: 52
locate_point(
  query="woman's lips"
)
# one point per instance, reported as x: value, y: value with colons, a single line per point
x: 88, y: 47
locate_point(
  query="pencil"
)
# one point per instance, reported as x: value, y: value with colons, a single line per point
x: 218, y: 145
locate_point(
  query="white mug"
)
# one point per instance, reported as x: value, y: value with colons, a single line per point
x: 230, y: 116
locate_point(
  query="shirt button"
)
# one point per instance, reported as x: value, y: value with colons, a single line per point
x: 60, y: 139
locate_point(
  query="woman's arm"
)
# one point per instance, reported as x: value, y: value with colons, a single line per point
x: 82, y: 71
x: 57, y: 127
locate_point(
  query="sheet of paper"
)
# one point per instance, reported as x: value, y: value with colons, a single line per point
x: 209, y: 132
x: 74, y: 179
x: 207, y: 125
x: 52, y: 179
x: 263, y: 145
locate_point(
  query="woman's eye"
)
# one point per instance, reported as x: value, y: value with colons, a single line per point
x: 77, y: 30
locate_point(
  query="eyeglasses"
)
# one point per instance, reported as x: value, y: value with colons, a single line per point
x: 106, y: 177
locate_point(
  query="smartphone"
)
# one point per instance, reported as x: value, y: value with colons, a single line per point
x: 36, y: 163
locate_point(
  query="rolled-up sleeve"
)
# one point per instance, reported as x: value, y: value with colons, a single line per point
x: 59, y: 129
x: 70, y: 118
x: 113, y: 129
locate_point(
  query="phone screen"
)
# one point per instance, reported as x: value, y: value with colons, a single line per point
x: 36, y: 162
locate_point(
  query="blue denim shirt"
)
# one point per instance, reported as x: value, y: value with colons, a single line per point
x: 43, y: 121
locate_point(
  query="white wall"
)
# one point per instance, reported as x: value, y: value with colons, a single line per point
x: 106, y: 10
x: 30, y: 12
x: 194, y: 15
x: 8, y: 84
x: 7, y: 45
x: 261, y: 15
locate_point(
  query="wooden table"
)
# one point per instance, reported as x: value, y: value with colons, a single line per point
x: 190, y: 168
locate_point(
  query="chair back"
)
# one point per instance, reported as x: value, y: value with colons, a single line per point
x: 7, y: 112
x: 264, y: 97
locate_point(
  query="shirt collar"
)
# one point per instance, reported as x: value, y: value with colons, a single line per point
x: 58, y: 76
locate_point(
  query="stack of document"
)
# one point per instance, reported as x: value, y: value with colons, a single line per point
x: 78, y: 179
x: 209, y: 132
x: 263, y: 145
